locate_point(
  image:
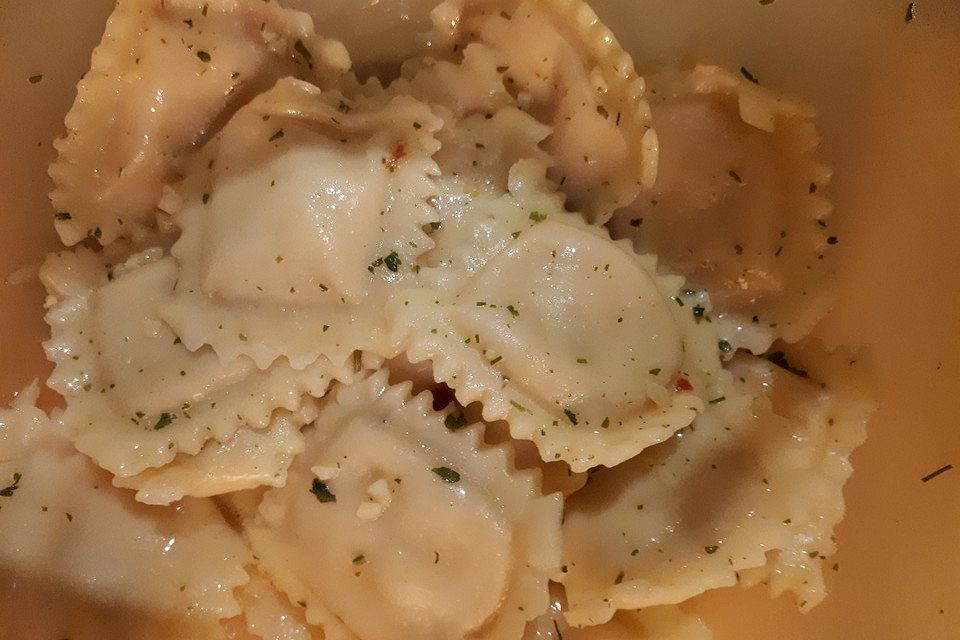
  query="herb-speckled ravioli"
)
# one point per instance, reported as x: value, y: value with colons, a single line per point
x: 165, y: 72
x: 750, y: 491
x: 135, y: 395
x: 571, y: 338
x: 387, y: 510
x: 739, y: 182
x: 299, y: 220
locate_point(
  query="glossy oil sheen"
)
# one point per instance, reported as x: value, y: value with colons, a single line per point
x: 888, y: 94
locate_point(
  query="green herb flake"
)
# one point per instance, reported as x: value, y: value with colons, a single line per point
x: 933, y: 474
x: 7, y: 492
x: 447, y: 474
x: 605, y: 424
x: 455, y: 421
x: 322, y: 492
x: 276, y: 136
x: 392, y: 261
x: 357, y: 361
x: 718, y: 400
x: 678, y: 301
x: 538, y: 216
x: 496, y: 360
x: 602, y: 110
x: 910, y: 13
x: 63, y: 215
x: 724, y: 346
x: 519, y: 407
x: 205, y: 198
x: 636, y: 222
x: 359, y: 560
x: 655, y: 371
x: 767, y: 2
x: 571, y: 416
x: 204, y: 56
x: 165, y: 420
x: 698, y: 313
x: 436, y: 225
x: 749, y: 76
x: 301, y: 48
x: 513, y: 311
x: 35, y: 79
x: 581, y: 361
x: 417, y: 125
x: 711, y: 549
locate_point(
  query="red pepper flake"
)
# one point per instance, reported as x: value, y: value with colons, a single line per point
x: 399, y: 153
x: 684, y: 385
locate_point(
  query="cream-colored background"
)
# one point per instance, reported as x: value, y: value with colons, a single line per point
x: 889, y: 96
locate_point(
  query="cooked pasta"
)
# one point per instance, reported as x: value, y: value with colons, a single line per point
x: 470, y: 336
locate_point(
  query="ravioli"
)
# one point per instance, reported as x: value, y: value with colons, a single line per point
x: 136, y: 396
x: 739, y: 182
x: 165, y: 72
x: 368, y: 530
x: 753, y: 484
x: 400, y: 319
x: 351, y: 184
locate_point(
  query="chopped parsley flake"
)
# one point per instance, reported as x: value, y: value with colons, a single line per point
x: 655, y: 371
x: 571, y: 416
x: 513, y: 310
x: 165, y: 420
x: 63, y: 215
x: 636, y: 222
x: 698, y: 312
x: 927, y: 478
x: 455, y: 421
x: 7, y: 492
x: 392, y: 261
x: 204, y: 56
x: 35, y: 79
x: 718, y: 400
x: 322, y: 492
x: 519, y: 406
x: 447, y: 474
x: 581, y: 361
x: 749, y: 76
x: 724, y: 346
x: 276, y: 136
x: 301, y: 48
x: 711, y: 549
x: 538, y: 216
x: 360, y: 559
